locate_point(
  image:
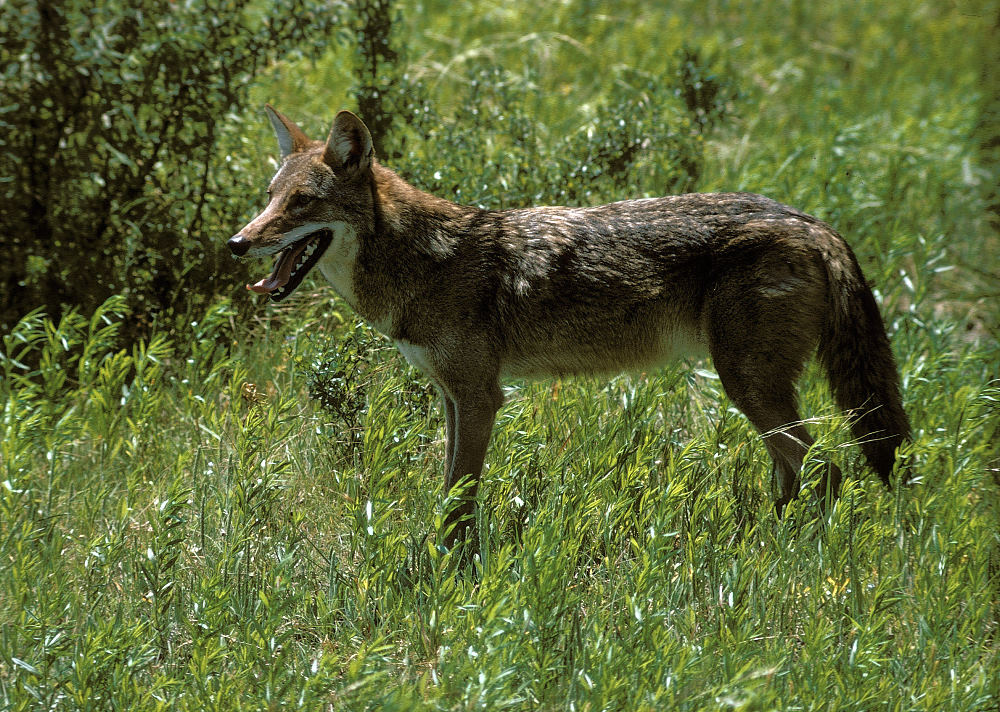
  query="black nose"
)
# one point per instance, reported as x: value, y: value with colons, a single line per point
x: 238, y: 245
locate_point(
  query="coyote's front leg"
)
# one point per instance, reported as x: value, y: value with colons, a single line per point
x: 448, y: 404
x: 469, y: 417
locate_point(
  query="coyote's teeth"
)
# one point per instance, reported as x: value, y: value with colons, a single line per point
x: 306, y: 254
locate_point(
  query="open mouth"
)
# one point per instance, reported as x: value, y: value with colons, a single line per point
x: 292, y: 265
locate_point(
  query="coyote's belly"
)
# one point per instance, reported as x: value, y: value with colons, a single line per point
x: 602, y: 349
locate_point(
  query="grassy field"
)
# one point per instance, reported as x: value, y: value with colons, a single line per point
x: 244, y: 517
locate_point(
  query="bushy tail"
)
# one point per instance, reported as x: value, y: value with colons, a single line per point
x: 855, y: 350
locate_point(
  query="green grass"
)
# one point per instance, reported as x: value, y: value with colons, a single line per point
x: 183, y: 527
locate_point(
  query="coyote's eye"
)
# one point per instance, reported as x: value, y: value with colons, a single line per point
x: 299, y: 200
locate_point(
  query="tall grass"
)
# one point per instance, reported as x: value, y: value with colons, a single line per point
x: 248, y: 516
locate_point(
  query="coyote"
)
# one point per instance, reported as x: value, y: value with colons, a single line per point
x: 471, y: 295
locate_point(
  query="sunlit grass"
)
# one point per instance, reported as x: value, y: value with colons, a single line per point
x: 193, y: 533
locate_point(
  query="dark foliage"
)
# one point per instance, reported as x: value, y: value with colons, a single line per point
x: 111, y: 118
x: 376, y: 59
x: 707, y: 94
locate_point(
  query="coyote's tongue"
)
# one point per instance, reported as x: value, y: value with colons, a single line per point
x: 282, y: 271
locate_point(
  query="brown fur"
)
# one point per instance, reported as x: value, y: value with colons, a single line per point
x: 471, y: 295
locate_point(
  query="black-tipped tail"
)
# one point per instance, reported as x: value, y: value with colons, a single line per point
x: 863, y: 376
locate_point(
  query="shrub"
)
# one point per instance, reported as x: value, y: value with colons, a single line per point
x: 111, y: 119
x: 637, y: 139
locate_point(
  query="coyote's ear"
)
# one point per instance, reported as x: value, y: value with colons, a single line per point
x: 349, y: 145
x: 290, y: 137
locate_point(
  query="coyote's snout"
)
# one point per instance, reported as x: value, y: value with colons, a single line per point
x: 471, y: 295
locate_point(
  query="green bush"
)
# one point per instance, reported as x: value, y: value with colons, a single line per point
x: 483, y: 123
x: 492, y: 150
x: 113, y: 120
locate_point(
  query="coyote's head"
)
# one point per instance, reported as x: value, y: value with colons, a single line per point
x: 321, y: 194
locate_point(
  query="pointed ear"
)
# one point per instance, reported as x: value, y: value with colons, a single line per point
x: 290, y: 137
x: 349, y: 145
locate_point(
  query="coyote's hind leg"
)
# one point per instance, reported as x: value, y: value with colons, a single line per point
x: 761, y: 332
